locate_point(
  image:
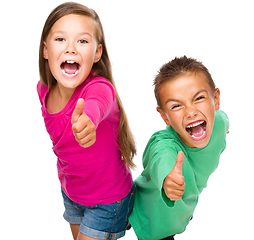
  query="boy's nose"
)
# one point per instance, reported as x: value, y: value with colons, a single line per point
x: 191, y: 112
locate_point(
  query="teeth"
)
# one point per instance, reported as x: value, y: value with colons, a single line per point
x: 200, y: 136
x: 65, y: 73
x: 194, y: 124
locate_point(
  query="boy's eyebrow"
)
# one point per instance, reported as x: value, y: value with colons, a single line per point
x: 172, y: 100
x: 176, y: 100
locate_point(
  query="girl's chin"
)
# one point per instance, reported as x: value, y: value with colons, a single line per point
x: 70, y: 83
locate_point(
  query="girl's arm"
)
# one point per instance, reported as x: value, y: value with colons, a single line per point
x: 98, y: 104
x: 82, y: 127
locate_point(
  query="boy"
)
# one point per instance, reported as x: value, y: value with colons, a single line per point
x: 179, y: 160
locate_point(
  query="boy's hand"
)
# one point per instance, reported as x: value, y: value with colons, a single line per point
x: 174, y: 183
x: 82, y: 127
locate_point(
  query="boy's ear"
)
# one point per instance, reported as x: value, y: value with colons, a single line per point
x: 45, y: 50
x: 163, y: 115
x: 98, y: 54
x: 217, y: 99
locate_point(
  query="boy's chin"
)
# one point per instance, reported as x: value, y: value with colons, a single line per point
x: 201, y: 145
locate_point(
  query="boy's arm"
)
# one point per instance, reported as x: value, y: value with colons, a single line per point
x: 173, y: 184
x: 162, y: 161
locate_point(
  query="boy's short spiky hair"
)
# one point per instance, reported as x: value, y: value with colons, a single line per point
x: 177, y: 67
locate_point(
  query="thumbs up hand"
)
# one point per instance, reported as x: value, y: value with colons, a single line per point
x: 174, y: 183
x: 82, y: 127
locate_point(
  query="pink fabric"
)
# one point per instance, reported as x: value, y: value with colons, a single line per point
x: 94, y: 175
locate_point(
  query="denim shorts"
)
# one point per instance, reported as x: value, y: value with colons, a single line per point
x: 102, y: 221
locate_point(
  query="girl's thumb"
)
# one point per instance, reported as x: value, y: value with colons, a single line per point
x: 78, y: 110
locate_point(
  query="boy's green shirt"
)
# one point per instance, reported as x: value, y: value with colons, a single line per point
x: 154, y: 215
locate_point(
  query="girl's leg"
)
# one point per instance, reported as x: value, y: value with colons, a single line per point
x: 77, y: 235
x: 75, y: 230
x: 84, y: 237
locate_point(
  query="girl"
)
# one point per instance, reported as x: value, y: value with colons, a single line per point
x: 87, y: 124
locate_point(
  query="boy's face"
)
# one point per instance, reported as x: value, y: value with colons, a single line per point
x: 189, y: 105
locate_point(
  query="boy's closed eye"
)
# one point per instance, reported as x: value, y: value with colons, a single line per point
x: 176, y: 106
x: 200, y: 98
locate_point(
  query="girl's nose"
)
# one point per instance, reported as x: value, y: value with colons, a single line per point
x: 70, y: 49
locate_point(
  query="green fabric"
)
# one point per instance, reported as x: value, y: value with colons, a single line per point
x: 154, y: 215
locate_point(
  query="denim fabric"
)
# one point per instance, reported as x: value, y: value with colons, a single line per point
x: 102, y: 221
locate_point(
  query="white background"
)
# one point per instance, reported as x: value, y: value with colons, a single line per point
x: 140, y: 36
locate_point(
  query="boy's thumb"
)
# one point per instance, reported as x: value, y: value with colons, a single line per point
x: 78, y: 110
x: 179, y: 163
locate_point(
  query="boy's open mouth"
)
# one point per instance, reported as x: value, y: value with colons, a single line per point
x: 197, y: 130
x: 70, y: 68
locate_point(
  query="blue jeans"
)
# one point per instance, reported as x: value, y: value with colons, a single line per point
x: 168, y: 238
x: 102, y: 221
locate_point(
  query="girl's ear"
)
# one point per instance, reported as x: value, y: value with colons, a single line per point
x: 163, y: 115
x: 217, y: 99
x: 45, y: 50
x: 98, y: 54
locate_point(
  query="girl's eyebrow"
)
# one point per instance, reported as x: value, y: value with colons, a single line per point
x: 80, y: 34
x: 85, y: 33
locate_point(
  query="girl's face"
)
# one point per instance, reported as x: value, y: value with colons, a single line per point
x: 71, y: 49
x: 189, y: 107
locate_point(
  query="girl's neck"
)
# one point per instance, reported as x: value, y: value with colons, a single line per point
x: 58, y: 98
x: 63, y: 93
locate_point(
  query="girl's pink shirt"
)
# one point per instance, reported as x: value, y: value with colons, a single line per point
x: 97, y: 174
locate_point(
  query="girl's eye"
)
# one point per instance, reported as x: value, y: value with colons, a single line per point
x: 82, y: 41
x: 60, y: 39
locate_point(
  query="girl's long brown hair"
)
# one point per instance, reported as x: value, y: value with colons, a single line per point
x: 101, y: 68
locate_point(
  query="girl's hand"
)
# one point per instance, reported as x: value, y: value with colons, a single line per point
x: 174, y: 183
x: 82, y: 126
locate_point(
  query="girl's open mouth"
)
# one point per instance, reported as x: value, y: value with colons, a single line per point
x: 197, y: 130
x: 70, y: 68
